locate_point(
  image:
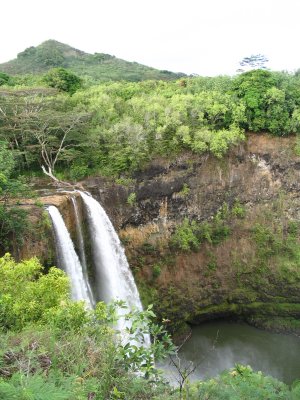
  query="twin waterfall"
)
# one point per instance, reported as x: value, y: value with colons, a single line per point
x: 110, y: 278
x: 68, y: 258
x: 113, y: 276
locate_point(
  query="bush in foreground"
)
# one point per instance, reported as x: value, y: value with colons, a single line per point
x: 54, y: 349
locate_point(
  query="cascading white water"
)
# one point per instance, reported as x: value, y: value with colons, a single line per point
x: 68, y: 258
x: 82, y: 251
x: 115, y: 280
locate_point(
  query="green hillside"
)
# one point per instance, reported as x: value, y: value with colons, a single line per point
x: 98, y: 66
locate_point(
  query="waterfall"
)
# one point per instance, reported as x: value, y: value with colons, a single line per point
x: 68, y: 258
x: 113, y: 275
x: 114, y: 278
x: 82, y: 251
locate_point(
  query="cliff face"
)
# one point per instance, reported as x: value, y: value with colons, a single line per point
x: 255, y: 173
x: 252, y: 269
x: 39, y: 240
x: 246, y: 208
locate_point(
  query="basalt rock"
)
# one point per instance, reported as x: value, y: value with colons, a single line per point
x: 228, y: 279
x: 39, y: 240
x: 234, y: 277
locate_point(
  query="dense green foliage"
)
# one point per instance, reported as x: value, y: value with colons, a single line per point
x: 93, y: 68
x: 27, y: 294
x: 49, y: 343
x: 47, y: 363
x: 62, y: 79
x: 41, y: 129
x: 13, y: 219
x: 116, y: 128
x: 243, y: 383
x: 272, y: 101
x: 52, y: 348
x: 6, y: 79
x: 190, y: 234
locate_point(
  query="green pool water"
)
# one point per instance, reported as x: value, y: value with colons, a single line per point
x: 216, y: 346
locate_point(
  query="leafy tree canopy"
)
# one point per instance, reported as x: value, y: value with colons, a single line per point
x: 115, y: 128
x: 13, y: 220
x: 62, y: 79
x: 6, y: 79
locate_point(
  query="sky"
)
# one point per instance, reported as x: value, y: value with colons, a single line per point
x: 205, y: 37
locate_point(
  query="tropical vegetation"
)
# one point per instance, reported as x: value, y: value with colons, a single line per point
x: 116, y: 128
x: 78, y: 115
x: 52, y: 348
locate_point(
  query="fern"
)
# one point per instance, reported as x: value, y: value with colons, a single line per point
x: 34, y: 387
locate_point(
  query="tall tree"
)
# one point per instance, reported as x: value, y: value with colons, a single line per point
x: 13, y: 220
x: 255, y: 61
x: 43, y: 129
x: 62, y: 79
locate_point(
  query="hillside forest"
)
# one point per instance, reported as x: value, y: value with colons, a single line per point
x: 68, y: 124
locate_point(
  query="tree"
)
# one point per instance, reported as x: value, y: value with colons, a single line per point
x: 13, y: 220
x: 15, y: 110
x: 62, y: 79
x: 48, y: 55
x: 183, y: 368
x: 26, y: 293
x: 252, y: 88
x: 257, y: 61
x: 56, y: 135
x: 43, y: 129
x: 5, y: 79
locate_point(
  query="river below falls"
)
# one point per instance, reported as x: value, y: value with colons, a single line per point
x: 219, y: 345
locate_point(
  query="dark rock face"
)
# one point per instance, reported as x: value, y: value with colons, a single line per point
x: 228, y: 279
x: 39, y: 241
x: 254, y: 172
x: 262, y: 175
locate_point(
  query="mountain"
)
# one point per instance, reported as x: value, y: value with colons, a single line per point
x: 98, y: 66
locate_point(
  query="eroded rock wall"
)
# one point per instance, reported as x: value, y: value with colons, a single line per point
x: 234, y: 277
x: 252, y: 272
x: 39, y: 240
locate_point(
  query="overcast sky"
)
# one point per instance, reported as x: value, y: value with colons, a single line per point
x: 207, y: 37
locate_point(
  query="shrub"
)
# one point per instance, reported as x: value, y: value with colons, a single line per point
x: 156, y: 271
x: 241, y: 383
x: 238, y: 210
x: 131, y: 200
x: 62, y: 79
x: 185, y: 191
x: 6, y: 79
x: 78, y: 172
x: 26, y: 295
x: 184, y: 236
x: 77, y: 355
